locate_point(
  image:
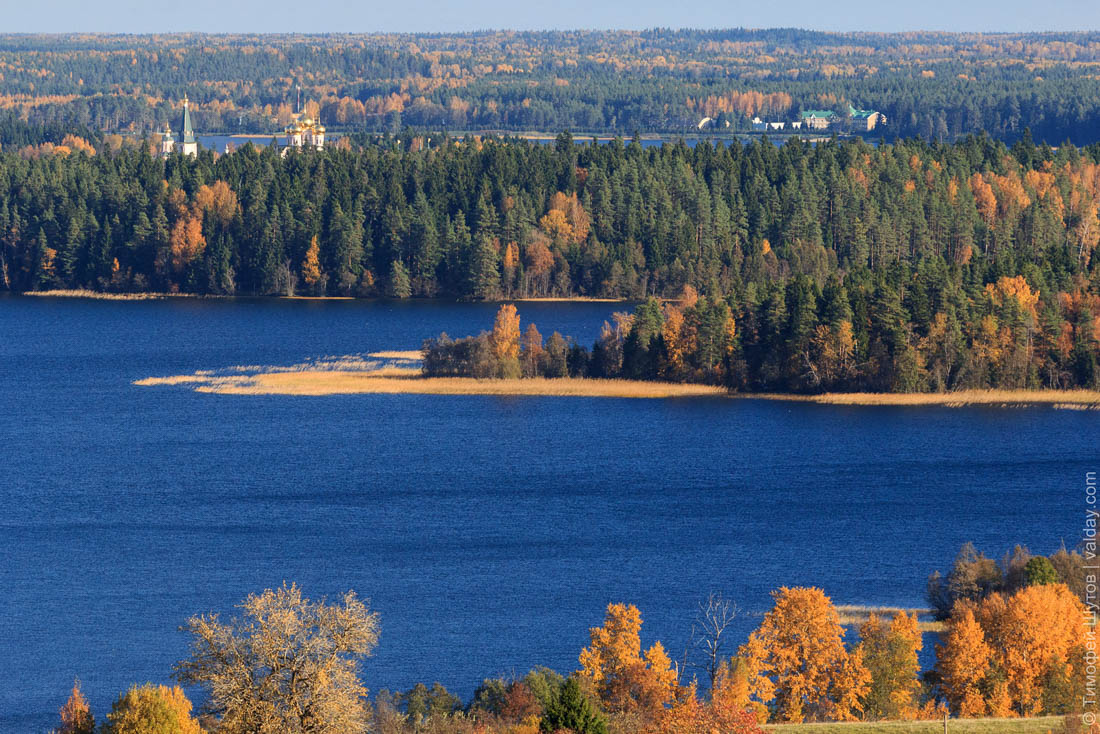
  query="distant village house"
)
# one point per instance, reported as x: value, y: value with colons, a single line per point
x: 865, y: 120
x: 818, y: 119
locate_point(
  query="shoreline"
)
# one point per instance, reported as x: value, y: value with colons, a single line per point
x: 408, y: 380
x: 155, y: 295
x: 402, y: 377
x: 1065, y: 399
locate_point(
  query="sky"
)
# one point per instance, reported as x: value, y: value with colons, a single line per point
x: 321, y: 16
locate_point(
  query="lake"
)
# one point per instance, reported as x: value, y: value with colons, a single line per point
x: 489, y: 532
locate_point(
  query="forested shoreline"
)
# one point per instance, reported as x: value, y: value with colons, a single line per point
x: 907, y: 267
x: 933, y: 84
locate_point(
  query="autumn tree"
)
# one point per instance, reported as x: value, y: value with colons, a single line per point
x: 690, y: 715
x: 962, y: 662
x: 890, y: 652
x: 219, y: 201
x: 287, y: 665
x: 627, y: 680
x: 504, y: 341
x: 999, y: 653
x: 1029, y: 632
x: 731, y: 695
x: 532, y: 355
x: 76, y: 715
x: 150, y: 709
x: 566, y: 219
x: 187, y: 241
x: 798, y: 659
x: 311, y: 265
x: 973, y: 576
x: 540, y: 263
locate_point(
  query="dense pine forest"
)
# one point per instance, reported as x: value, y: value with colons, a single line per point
x: 936, y: 85
x: 905, y: 267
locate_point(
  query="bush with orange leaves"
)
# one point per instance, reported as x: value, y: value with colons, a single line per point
x: 1014, y: 655
x: 629, y: 682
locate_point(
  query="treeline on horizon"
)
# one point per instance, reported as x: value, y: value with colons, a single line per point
x: 918, y: 267
x: 937, y: 85
x: 1012, y: 644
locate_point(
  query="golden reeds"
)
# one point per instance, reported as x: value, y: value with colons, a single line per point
x: 1001, y: 398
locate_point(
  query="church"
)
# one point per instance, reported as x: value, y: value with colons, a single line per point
x: 304, y: 132
x: 188, y: 145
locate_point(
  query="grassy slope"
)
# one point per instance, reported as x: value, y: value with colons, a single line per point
x: 1039, y: 725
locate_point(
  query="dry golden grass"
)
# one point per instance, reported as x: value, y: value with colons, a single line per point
x: 853, y: 615
x: 567, y: 299
x: 195, y: 379
x: 319, y: 298
x: 109, y: 296
x: 1079, y: 399
x: 411, y: 354
x: 1037, y: 725
x: 395, y: 380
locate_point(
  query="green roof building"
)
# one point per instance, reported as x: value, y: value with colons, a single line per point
x: 818, y: 119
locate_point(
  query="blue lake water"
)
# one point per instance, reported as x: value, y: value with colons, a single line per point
x: 489, y: 532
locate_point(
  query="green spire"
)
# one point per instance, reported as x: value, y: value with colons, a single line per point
x: 188, y: 133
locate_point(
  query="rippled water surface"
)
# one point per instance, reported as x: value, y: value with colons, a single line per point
x: 489, y: 532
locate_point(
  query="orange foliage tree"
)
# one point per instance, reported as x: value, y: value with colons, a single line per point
x: 998, y: 653
x: 797, y: 657
x: 219, y: 200
x: 1018, y: 289
x: 962, y: 661
x: 504, y: 341
x: 566, y: 219
x: 722, y: 715
x: 311, y: 265
x: 186, y: 241
x: 151, y: 708
x: 76, y: 715
x: 626, y: 680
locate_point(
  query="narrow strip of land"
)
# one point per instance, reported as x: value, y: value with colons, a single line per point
x: 398, y: 371
x: 1080, y: 399
x: 395, y: 380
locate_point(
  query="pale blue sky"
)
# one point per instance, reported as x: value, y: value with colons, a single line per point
x: 142, y: 16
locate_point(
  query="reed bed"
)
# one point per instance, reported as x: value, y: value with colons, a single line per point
x: 566, y: 299
x: 1077, y: 399
x: 97, y: 295
x: 853, y: 615
x: 396, y: 380
x: 412, y: 354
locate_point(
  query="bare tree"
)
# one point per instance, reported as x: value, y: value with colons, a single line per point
x: 708, y: 632
x: 288, y: 665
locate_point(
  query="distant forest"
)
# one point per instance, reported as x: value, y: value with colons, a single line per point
x: 908, y: 266
x: 936, y: 85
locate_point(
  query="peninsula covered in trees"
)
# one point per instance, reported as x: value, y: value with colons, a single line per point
x: 905, y: 267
